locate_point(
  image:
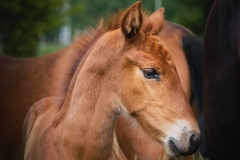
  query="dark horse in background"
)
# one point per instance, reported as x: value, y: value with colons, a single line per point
x: 221, y: 85
x: 25, y: 81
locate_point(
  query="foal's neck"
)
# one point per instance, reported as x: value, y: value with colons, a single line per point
x: 91, y: 106
x: 90, y: 120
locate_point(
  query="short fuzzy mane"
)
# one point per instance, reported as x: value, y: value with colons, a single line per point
x: 81, y: 44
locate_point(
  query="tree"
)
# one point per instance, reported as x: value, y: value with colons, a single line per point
x: 21, y: 21
x: 189, y: 13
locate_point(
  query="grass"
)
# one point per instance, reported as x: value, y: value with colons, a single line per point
x: 48, y: 48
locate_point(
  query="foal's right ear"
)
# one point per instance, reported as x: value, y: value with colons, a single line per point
x: 132, y: 20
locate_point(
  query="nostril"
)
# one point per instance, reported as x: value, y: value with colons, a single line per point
x: 195, y: 141
x: 173, y: 146
x: 187, y: 145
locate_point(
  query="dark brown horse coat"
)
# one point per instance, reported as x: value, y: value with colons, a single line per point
x: 49, y: 78
x: 221, y: 87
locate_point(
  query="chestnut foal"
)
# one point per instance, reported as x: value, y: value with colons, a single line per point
x: 128, y: 72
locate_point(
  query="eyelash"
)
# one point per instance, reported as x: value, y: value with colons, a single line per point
x: 151, y: 73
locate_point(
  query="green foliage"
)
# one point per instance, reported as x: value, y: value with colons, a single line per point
x: 88, y: 12
x: 49, y: 48
x: 189, y: 13
x: 20, y: 43
x: 22, y: 20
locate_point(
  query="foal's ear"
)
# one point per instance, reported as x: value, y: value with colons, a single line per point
x: 156, y: 20
x: 132, y: 20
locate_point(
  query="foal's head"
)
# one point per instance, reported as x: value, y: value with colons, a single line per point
x: 142, y: 81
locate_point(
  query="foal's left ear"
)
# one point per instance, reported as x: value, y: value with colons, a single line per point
x: 132, y: 20
x: 156, y: 21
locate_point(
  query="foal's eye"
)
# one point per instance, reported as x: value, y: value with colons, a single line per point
x: 151, y: 73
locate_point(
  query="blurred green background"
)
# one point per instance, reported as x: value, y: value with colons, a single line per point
x: 34, y: 28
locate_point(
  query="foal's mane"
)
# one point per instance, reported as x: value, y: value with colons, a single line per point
x: 81, y: 44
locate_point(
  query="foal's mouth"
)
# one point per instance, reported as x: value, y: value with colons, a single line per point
x: 177, y: 149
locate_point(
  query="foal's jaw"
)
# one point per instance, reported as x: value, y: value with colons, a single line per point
x: 179, y: 137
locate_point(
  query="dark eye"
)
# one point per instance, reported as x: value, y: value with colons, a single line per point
x: 151, y: 73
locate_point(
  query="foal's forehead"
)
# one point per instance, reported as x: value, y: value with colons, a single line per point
x: 151, y: 52
x: 155, y: 46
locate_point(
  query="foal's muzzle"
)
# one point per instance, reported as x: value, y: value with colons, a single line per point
x: 187, y: 145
